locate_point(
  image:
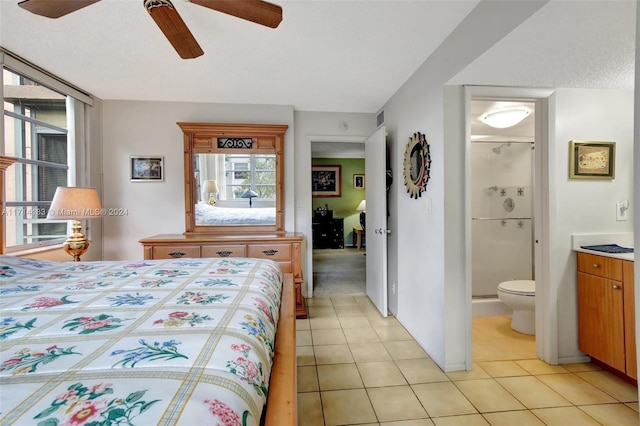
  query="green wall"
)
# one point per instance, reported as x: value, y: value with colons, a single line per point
x: 345, y: 205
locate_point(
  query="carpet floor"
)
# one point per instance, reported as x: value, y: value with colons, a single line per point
x: 339, y: 272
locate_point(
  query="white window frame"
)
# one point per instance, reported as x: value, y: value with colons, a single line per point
x: 77, y: 102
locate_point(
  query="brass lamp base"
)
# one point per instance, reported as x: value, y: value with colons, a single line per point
x: 77, y: 243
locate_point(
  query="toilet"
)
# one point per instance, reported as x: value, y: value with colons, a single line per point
x: 519, y: 295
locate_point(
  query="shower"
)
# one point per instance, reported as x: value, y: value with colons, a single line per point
x: 498, y: 149
x: 502, y: 215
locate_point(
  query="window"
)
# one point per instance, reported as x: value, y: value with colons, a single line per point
x: 250, y: 171
x: 38, y: 134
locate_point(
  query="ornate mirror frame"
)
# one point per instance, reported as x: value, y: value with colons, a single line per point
x: 417, y: 165
x: 218, y: 138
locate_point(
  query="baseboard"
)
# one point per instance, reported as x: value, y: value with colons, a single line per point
x: 574, y: 359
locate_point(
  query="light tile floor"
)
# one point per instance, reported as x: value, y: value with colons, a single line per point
x: 356, y: 367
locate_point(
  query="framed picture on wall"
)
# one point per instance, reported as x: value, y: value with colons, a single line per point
x: 147, y: 169
x: 326, y: 181
x: 358, y: 181
x: 592, y: 160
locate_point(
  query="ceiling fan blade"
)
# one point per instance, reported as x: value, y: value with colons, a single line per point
x: 174, y: 28
x: 258, y: 11
x: 54, y: 8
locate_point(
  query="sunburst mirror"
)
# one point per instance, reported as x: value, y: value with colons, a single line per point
x: 417, y: 165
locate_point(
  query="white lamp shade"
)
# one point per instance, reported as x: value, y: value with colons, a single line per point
x: 209, y: 187
x: 505, y: 118
x: 75, y: 203
x: 362, y: 206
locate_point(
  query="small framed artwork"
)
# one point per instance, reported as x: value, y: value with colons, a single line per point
x: 325, y: 181
x: 147, y: 169
x: 592, y: 160
x: 358, y: 181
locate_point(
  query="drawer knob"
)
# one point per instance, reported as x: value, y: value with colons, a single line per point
x: 269, y: 252
x: 223, y: 253
x: 615, y: 287
x: 596, y: 265
x: 177, y: 254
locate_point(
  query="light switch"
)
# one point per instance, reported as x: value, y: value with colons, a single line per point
x: 622, y: 210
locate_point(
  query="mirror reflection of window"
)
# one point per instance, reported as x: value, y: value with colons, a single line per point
x: 236, y: 173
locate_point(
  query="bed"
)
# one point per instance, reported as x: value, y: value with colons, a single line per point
x: 180, y: 341
x: 215, y: 215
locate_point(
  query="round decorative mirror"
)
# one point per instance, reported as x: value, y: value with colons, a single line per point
x: 417, y: 163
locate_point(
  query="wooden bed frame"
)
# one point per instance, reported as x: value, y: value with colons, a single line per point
x: 282, y: 399
x: 281, y: 409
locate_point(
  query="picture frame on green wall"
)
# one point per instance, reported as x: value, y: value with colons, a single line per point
x: 326, y: 181
x: 358, y: 181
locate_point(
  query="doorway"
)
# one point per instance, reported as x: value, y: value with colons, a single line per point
x: 546, y: 345
x: 338, y: 255
x: 502, y: 172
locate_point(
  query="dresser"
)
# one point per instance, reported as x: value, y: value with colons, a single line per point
x: 285, y: 248
x: 328, y: 233
x: 606, y: 317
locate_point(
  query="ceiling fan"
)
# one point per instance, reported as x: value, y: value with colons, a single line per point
x: 168, y: 19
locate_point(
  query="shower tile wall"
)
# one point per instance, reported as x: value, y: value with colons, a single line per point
x: 502, y: 233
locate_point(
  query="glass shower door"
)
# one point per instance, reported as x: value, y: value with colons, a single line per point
x: 502, y: 225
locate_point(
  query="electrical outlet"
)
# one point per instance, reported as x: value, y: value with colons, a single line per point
x: 393, y: 288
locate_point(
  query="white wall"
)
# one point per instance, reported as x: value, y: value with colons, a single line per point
x: 149, y: 128
x: 426, y: 251
x: 578, y: 206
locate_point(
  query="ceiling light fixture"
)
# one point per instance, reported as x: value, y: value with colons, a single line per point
x: 505, y: 118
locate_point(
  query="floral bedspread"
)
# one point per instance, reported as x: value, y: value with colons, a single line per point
x: 184, y: 341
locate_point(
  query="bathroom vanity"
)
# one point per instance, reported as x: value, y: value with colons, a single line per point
x: 606, y: 315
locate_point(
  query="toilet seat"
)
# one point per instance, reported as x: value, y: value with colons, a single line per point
x: 519, y: 287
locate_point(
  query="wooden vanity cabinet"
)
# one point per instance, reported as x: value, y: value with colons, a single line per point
x: 286, y: 249
x: 606, y: 328
x: 629, y: 319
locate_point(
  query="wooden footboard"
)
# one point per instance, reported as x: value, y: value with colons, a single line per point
x: 282, y: 405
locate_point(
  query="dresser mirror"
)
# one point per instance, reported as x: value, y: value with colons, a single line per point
x: 233, y: 177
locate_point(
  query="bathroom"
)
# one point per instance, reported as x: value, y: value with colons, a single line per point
x: 502, y: 233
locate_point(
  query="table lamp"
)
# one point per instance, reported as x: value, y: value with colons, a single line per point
x: 71, y: 203
x: 361, y: 208
x: 210, y: 190
x: 250, y: 195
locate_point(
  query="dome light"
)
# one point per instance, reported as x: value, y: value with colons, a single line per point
x: 505, y: 118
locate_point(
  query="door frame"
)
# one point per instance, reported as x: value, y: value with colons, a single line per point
x: 546, y: 315
x: 309, y: 228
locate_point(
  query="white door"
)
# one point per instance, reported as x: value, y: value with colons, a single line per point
x: 376, y: 218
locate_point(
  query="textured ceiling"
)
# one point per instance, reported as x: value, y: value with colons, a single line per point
x: 567, y: 43
x: 349, y: 56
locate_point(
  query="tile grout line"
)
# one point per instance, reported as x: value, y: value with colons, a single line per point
x: 450, y: 380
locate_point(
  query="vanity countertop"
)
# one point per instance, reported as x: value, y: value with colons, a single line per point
x: 623, y: 240
x: 623, y: 256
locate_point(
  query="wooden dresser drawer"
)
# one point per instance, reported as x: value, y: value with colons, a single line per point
x: 275, y: 252
x: 601, y: 266
x: 224, y: 251
x: 175, y: 252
